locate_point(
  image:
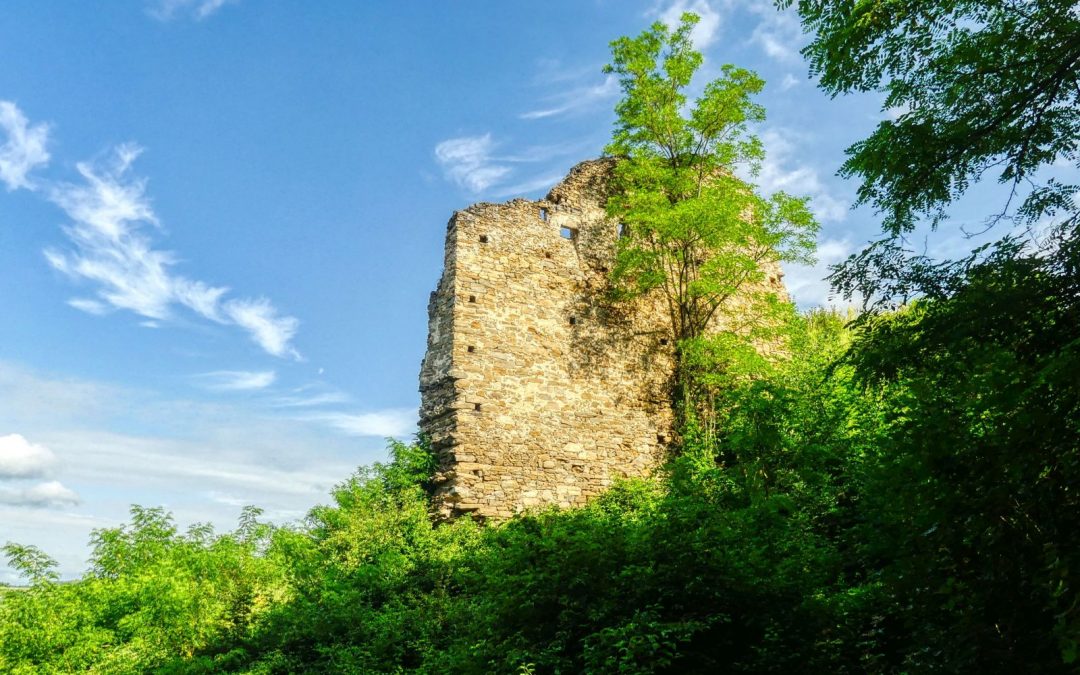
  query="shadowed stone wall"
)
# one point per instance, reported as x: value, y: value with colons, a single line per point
x: 534, y: 390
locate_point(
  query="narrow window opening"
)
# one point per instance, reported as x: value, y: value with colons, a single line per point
x: 547, y: 254
x: 621, y: 230
x: 476, y: 407
x: 567, y: 233
x: 544, y: 215
x: 661, y: 438
x: 472, y: 298
x: 663, y: 341
x: 483, y: 239
x: 573, y: 321
x: 470, y: 349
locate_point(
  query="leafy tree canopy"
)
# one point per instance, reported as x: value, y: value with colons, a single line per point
x: 691, y: 227
x: 980, y: 86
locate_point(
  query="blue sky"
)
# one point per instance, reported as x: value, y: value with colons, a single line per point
x: 220, y: 221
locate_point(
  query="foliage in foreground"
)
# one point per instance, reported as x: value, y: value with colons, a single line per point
x: 709, y: 567
x: 900, y: 498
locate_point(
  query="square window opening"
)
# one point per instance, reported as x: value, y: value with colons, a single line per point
x: 663, y: 341
x: 661, y: 438
x: 567, y: 233
x: 476, y: 407
x: 470, y: 349
x: 472, y: 298
x: 573, y: 321
x: 483, y: 239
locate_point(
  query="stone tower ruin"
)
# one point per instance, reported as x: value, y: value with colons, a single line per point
x: 534, y: 389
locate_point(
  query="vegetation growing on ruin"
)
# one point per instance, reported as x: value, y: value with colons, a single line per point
x: 692, y: 230
x: 896, y: 494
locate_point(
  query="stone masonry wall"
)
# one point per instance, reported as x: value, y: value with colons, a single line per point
x: 534, y: 390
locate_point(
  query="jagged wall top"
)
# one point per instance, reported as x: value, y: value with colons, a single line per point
x: 536, y: 390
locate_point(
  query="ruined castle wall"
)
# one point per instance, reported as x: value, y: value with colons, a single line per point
x: 535, y: 390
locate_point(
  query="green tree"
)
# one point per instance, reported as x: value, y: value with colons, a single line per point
x: 981, y: 86
x: 31, y: 563
x: 691, y: 228
x: 968, y: 500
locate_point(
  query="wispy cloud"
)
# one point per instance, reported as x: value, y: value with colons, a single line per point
x: 118, y: 445
x: 781, y: 172
x: 708, y: 27
x: 472, y: 163
x: 271, y: 331
x: 530, y: 185
x: 395, y: 422
x: 23, y: 149
x: 111, y: 249
x: 778, y: 33
x: 237, y: 380
x: 302, y: 400
x: 42, y: 495
x: 19, y: 458
x: 788, y: 82
x: 468, y: 161
x: 166, y: 10
x: 579, y: 98
x: 807, y: 283
x: 89, y: 305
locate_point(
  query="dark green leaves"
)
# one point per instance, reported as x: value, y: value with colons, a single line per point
x: 975, y: 86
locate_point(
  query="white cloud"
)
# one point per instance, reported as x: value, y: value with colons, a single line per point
x: 243, y: 448
x: 24, y: 149
x: 807, y: 284
x: 166, y: 10
x: 238, y: 380
x: 708, y: 27
x: 576, y: 99
x: 394, y: 422
x: 788, y: 82
x: 778, y: 33
x: 467, y: 161
x: 272, y: 332
x: 110, y: 212
x: 896, y: 112
x: 90, y: 306
x: 19, y: 458
x: 470, y: 162
x: 779, y: 172
x: 49, y: 494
